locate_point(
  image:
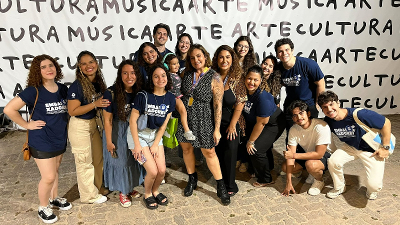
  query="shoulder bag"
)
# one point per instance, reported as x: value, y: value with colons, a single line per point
x: 25, y: 148
x: 373, y: 136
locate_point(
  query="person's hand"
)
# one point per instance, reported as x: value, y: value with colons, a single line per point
x: 381, y: 153
x: 35, y: 125
x: 289, y: 188
x: 232, y: 134
x: 110, y: 147
x: 137, y: 152
x: 154, y: 150
x: 288, y: 154
x: 102, y: 103
x: 217, y: 137
x: 251, y: 149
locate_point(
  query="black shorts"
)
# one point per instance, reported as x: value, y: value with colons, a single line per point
x: 45, y: 155
x: 324, y: 160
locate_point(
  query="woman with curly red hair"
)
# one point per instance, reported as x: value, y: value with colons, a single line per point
x: 48, y: 128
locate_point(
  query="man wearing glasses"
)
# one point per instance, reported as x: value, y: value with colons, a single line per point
x: 315, y: 137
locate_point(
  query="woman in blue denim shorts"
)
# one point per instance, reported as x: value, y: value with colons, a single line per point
x: 146, y: 144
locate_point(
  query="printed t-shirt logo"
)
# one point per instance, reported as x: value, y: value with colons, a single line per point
x: 247, y: 107
x: 292, y: 81
x: 345, y: 132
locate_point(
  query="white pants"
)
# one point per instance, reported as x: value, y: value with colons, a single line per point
x: 374, y: 167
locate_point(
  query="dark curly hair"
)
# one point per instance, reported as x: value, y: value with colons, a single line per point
x: 188, y: 66
x: 119, y: 95
x: 283, y: 41
x: 177, y: 52
x: 150, y: 87
x: 141, y: 60
x: 250, y: 58
x: 327, y: 96
x: 35, y: 76
x: 272, y: 84
x: 297, y: 104
x: 87, y: 86
x: 235, y: 71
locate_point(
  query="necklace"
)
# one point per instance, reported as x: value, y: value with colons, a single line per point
x: 163, y: 107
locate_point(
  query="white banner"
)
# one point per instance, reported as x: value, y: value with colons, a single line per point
x: 355, y: 42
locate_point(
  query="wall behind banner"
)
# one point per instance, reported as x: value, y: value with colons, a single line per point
x: 355, y: 42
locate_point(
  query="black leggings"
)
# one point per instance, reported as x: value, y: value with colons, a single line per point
x: 227, y: 154
x: 263, y: 157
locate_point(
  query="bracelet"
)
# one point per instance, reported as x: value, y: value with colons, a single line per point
x: 94, y: 105
x: 251, y: 142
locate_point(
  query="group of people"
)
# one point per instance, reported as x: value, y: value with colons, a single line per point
x: 228, y: 107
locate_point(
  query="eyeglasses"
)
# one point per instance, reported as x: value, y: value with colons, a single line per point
x: 184, y: 42
x: 301, y: 113
x: 243, y: 46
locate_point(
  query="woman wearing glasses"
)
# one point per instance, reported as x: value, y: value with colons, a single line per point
x: 245, y: 52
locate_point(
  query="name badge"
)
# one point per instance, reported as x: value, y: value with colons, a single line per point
x: 190, y: 103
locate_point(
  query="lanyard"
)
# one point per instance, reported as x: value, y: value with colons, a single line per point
x: 195, y: 83
x: 226, y: 79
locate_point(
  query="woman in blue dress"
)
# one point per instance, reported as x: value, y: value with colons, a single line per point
x: 121, y: 171
x: 47, y: 128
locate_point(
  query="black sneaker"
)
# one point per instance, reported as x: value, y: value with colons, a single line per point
x: 47, y: 215
x: 61, y: 203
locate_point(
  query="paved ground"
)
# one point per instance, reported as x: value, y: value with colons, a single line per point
x: 19, y: 179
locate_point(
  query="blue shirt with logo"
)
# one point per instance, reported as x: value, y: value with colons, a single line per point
x: 52, y: 109
x: 348, y: 131
x: 299, y: 80
x: 259, y: 104
x: 158, y: 107
x: 75, y: 91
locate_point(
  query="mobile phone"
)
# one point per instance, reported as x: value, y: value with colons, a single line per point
x: 141, y: 159
x: 114, y: 154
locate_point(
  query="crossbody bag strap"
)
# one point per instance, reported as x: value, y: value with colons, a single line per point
x: 358, y: 121
x: 145, y: 97
x: 30, y: 117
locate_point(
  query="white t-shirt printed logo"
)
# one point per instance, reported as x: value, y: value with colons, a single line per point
x: 292, y: 81
x: 73, y: 95
x: 346, y: 132
x: 247, y: 107
x: 56, y: 107
x: 155, y: 110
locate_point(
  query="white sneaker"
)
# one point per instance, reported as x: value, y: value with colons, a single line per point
x: 335, y: 193
x: 310, y: 179
x: 100, y: 200
x: 372, y: 195
x: 47, y: 215
x: 316, y: 187
x: 189, y: 136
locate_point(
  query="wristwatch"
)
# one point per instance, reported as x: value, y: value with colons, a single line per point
x: 386, y: 147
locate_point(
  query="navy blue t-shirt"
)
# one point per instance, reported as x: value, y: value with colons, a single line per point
x: 113, y: 108
x: 75, y: 92
x: 158, y: 107
x: 348, y: 131
x: 299, y: 80
x: 52, y: 109
x: 259, y: 104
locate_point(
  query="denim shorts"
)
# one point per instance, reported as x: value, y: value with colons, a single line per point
x: 146, y: 138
